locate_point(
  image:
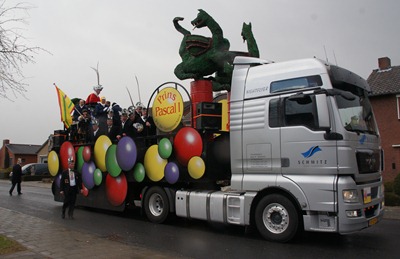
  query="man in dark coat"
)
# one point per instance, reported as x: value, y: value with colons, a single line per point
x: 112, y: 130
x: 138, y: 123
x: 16, y: 177
x: 100, y: 113
x: 70, y: 186
x: 150, y: 127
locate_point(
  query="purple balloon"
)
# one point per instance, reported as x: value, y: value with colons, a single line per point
x: 126, y: 153
x: 57, y: 179
x: 88, y: 174
x: 171, y: 173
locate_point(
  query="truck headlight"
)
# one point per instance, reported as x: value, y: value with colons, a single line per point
x: 350, y: 196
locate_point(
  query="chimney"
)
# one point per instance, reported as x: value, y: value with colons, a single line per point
x: 6, y: 141
x: 384, y: 63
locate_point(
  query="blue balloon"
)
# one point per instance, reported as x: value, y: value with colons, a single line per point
x: 171, y: 172
x: 88, y: 174
x: 126, y: 153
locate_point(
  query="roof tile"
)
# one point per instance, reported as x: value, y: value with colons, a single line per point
x: 384, y: 82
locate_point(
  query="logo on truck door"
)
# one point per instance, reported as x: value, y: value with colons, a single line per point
x: 307, y: 161
x: 309, y: 153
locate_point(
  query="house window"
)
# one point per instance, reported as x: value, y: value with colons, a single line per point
x: 398, y: 106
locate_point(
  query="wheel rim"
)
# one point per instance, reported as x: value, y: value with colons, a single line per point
x: 156, y: 204
x: 276, y: 218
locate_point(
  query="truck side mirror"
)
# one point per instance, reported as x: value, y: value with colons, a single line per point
x: 323, y: 112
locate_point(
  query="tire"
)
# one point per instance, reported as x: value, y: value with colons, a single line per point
x: 156, y: 205
x: 276, y: 218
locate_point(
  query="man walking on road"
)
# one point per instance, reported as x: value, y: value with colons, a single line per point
x: 70, y: 185
x: 16, y: 177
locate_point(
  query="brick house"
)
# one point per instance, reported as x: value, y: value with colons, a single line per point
x: 385, y: 100
x: 9, y: 153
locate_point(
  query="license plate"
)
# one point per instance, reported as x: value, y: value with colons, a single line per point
x: 367, y: 195
x: 372, y: 221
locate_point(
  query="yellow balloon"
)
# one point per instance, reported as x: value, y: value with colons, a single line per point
x: 100, y: 150
x: 53, y: 163
x: 154, y: 164
x: 196, y: 167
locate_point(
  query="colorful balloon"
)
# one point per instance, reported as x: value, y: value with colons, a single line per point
x: 126, y: 153
x: 88, y: 169
x: 87, y: 153
x: 196, y: 167
x: 97, y: 176
x: 165, y: 148
x: 139, y: 172
x: 154, y: 164
x: 187, y: 144
x: 79, y: 159
x: 111, y: 161
x: 53, y: 163
x: 66, y: 151
x: 85, y: 191
x: 171, y: 172
x: 116, y: 189
x: 57, y: 180
x: 100, y: 150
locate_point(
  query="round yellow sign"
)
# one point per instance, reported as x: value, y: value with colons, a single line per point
x: 167, y: 109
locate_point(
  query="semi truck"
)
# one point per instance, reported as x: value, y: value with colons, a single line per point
x: 298, y: 150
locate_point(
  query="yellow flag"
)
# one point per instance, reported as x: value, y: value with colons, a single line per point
x: 66, y: 107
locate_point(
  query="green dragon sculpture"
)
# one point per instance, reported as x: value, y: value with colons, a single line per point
x: 204, y: 56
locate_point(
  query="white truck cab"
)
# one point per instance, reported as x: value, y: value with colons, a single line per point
x: 304, y: 132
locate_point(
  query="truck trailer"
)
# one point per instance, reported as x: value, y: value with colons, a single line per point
x: 300, y: 151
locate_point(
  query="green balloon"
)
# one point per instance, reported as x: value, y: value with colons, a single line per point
x: 139, y: 172
x: 165, y: 148
x: 98, y: 176
x: 79, y: 159
x: 111, y: 161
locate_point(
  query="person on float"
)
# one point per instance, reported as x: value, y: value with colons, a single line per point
x: 94, y: 98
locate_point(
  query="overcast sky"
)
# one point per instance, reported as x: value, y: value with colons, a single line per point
x: 131, y: 38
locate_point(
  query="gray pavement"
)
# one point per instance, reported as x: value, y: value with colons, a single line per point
x: 57, y: 241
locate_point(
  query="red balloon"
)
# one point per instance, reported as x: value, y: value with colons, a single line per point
x: 66, y: 150
x: 85, y: 191
x: 187, y: 144
x: 86, y: 153
x: 116, y: 189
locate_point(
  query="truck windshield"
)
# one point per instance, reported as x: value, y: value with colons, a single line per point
x: 356, y: 115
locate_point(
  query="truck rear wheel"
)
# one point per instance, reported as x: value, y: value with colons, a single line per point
x: 276, y: 218
x: 156, y: 204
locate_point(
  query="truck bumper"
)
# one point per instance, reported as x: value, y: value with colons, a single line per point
x: 366, y: 211
x: 363, y: 212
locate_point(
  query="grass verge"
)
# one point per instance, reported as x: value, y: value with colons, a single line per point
x: 9, y: 246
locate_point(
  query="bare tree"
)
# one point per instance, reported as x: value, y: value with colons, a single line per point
x: 14, y: 52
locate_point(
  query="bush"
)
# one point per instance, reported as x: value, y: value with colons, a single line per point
x: 396, y: 185
x: 391, y: 199
x: 389, y: 186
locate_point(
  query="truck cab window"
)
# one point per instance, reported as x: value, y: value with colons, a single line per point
x: 300, y: 113
x: 289, y: 112
x: 356, y: 115
x: 296, y: 83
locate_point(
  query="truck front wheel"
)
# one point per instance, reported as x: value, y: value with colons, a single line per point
x: 276, y: 218
x: 156, y: 204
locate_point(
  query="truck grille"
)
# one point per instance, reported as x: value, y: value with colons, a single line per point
x: 368, y: 161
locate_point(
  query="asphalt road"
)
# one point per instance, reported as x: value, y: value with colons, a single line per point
x: 198, y: 239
